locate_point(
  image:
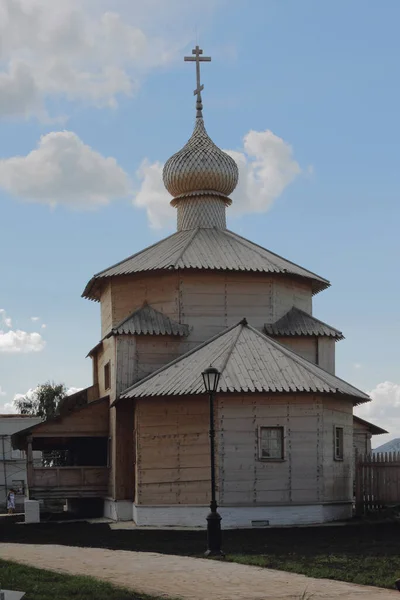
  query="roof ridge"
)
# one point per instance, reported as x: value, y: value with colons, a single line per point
x: 243, y: 323
x: 244, y: 241
x: 309, y: 366
x: 178, y: 359
x: 186, y: 246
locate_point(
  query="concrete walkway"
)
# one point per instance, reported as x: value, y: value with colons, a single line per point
x: 184, y: 577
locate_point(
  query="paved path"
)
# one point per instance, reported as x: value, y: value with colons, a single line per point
x: 184, y: 577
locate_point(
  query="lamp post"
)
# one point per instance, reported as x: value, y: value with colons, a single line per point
x: 214, y: 539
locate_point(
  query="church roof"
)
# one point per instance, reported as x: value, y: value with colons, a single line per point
x: 147, y: 320
x: 298, y: 322
x: 204, y: 249
x: 249, y: 361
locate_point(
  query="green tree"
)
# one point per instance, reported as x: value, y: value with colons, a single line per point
x: 43, y: 401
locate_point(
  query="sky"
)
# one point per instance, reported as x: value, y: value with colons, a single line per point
x: 95, y: 96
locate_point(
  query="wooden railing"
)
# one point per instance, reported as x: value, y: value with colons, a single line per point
x: 377, y: 481
x: 68, y: 482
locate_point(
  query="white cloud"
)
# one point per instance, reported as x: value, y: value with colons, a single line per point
x: 7, y: 408
x: 2, y: 392
x: 44, y: 325
x: 384, y: 410
x: 20, y: 342
x: 35, y: 318
x: 64, y: 170
x: 7, y: 321
x: 358, y: 366
x: 73, y: 390
x: 82, y: 51
x: 266, y: 168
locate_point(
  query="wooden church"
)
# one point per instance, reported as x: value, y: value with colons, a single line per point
x: 138, y: 439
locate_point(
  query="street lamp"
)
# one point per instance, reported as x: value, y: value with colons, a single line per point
x: 214, y: 539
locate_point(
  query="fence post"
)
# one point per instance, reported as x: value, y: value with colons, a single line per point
x: 359, y: 493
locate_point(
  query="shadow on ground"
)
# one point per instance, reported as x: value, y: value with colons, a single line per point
x: 376, y: 539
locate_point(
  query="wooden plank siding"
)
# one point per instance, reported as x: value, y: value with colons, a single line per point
x: 245, y: 479
x: 318, y: 350
x: 172, y: 456
x: 107, y: 354
x: 306, y: 346
x: 337, y: 474
x: 90, y: 421
x: 206, y: 301
x: 141, y: 355
x: 326, y: 353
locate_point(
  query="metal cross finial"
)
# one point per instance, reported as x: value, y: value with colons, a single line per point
x: 198, y: 59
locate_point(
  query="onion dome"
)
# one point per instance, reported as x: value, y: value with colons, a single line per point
x: 200, y: 168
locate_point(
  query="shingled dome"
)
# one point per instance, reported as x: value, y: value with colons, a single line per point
x: 200, y: 167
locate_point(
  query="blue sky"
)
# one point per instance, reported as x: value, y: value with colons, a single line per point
x: 321, y: 77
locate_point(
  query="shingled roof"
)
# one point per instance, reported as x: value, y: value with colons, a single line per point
x: 298, y: 322
x: 249, y: 361
x: 209, y: 249
x: 147, y: 320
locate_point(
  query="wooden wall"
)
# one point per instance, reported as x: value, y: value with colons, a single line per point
x: 107, y: 354
x: 361, y: 438
x: 129, y: 293
x: 207, y: 301
x: 106, y: 309
x: 248, y: 480
x: 290, y: 292
x: 337, y: 475
x: 172, y: 451
x: 92, y: 420
x: 318, y: 350
x: 326, y: 353
x: 140, y: 355
x: 306, y: 346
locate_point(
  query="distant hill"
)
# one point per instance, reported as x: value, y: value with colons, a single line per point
x: 392, y: 446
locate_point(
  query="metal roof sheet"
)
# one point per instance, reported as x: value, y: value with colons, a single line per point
x: 211, y: 249
x: 298, y: 322
x: 147, y: 320
x: 249, y: 361
x: 374, y: 429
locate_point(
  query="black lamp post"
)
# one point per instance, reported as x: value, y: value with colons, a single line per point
x: 214, y: 539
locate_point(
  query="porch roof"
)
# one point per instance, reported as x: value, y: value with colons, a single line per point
x: 88, y: 420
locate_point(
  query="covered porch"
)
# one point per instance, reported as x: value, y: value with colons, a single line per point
x: 75, y: 450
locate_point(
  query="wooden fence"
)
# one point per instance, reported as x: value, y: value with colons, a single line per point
x: 377, y: 481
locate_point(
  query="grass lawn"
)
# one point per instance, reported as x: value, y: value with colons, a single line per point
x: 367, y: 553
x: 46, y: 585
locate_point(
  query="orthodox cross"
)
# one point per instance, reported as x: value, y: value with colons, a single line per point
x: 197, y: 58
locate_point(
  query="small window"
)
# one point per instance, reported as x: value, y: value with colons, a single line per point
x: 16, y: 454
x: 271, y: 443
x: 338, y: 443
x: 107, y: 378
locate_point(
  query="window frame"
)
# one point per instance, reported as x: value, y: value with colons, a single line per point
x: 282, y: 458
x: 338, y: 455
x: 107, y: 375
